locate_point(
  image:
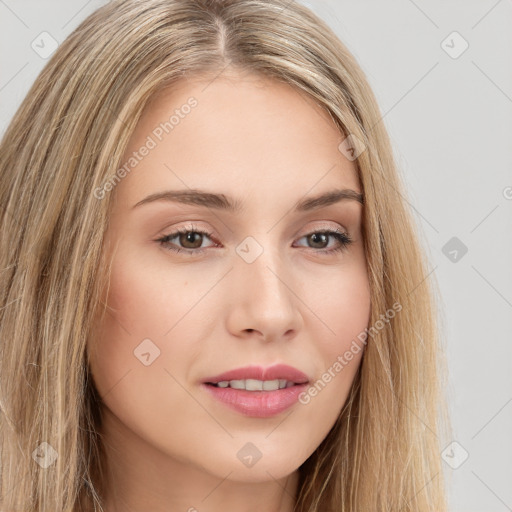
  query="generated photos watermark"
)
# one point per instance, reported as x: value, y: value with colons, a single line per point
x: 343, y: 360
x: 151, y: 142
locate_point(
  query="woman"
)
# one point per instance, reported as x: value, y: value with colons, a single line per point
x: 213, y: 295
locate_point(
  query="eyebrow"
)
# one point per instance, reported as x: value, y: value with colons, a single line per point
x: 222, y: 202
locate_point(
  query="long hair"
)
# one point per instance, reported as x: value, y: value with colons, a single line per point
x: 67, y: 139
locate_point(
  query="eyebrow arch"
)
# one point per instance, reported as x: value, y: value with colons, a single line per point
x: 222, y: 202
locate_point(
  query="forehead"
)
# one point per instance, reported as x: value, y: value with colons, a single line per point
x: 237, y: 133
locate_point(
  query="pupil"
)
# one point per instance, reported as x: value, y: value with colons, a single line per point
x: 189, y: 238
x: 316, y: 236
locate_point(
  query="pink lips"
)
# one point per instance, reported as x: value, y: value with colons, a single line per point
x: 278, y: 371
x: 258, y: 404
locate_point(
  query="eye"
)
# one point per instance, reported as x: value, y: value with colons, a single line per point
x: 192, y: 238
x: 321, y: 238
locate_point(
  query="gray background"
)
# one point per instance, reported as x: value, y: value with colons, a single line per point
x: 450, y: 122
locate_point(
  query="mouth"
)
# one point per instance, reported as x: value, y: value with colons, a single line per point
x: 261, y: 394
x: 254, y: 384
x: 258, y: 378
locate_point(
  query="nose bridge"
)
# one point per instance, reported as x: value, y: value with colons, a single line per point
x: 258, y: 264
x: 265, y: 300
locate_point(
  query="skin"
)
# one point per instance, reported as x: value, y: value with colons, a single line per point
x: 169, y: 445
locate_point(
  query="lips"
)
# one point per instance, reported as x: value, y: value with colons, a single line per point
x: 276, y: 372
x: 241, y: 391
x: 256, y: 404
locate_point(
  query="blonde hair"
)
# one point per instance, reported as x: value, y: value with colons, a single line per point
x: 68, y: 138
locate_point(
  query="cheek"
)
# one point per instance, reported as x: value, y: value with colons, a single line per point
x: 142, y: 306
x: 344, y: 309
x: 348, y: 314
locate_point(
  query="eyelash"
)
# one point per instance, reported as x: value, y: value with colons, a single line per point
x: 343, y: 239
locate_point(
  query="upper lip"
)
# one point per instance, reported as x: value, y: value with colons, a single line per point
x: 278, y: 371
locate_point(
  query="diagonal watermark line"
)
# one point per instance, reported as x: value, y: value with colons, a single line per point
x: 422, y: 280
x: 193, y: 306
x: 303, y: 196
x: 217, y: 486
x: 422, y: 216
x: 279, y: 424
x: 403, y: 96
x: 117, y: 117
x: 484, y: 218
x: 285, y: 490
x: 3, y: 3
x: 485, y: 14
x: 212, y: 211
x: 103, y: 397
x: 108, y: 309
x: 284, y: 9
x: 493, y: 287
x: 410, y: 204
x: 14, y: 76
x: 301, y: 300
x: 508, y: 508
x: 216, y: 76
x: 492, y: 81
x: 424, y: 14
x: 197, y: 401
x: 386, y: 180
x: 506, y: 403
x: 402, y: 401
x: 412, y: 499
x: 76, y: 14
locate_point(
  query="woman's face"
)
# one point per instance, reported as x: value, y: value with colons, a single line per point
x: 259, y: 285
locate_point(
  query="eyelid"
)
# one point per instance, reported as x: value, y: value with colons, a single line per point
x: 211, y: 233
x: 325, y: 227
x: 342, y: 237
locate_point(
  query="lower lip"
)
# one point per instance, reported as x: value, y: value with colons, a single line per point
x: 258, y: 404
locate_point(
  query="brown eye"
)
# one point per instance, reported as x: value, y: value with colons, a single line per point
x: 188, y: 241
x: 194, y: 238
x: 320, y: 240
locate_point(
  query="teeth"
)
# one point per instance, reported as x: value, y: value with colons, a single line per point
x: 237, y: 384
x: 256, y: 385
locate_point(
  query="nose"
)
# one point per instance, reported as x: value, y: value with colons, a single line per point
x: 263, y: 301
